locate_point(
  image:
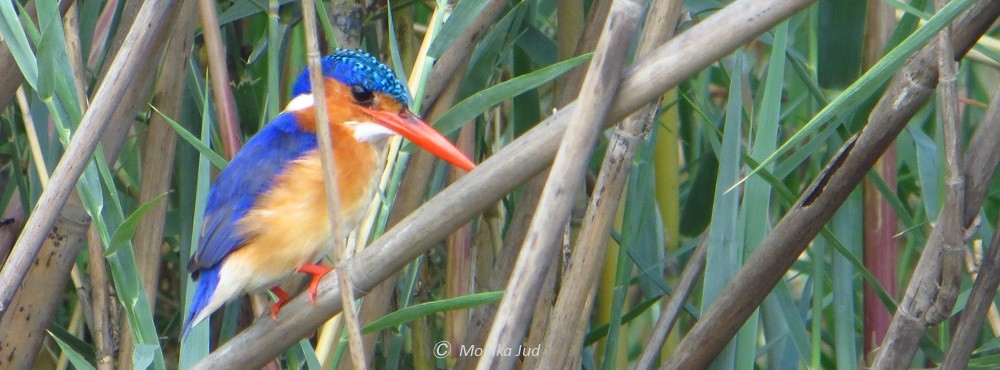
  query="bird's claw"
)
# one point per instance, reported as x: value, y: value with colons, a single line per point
x: 282, y: 299
x: 317, y: 272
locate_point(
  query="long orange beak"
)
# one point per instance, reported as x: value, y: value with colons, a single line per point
x: 422, y: 134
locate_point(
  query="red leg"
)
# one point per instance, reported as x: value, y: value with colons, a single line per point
x: 317, y: 272
x: 282, y: 299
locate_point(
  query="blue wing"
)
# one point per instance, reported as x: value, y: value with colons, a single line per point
x: 249, y: 175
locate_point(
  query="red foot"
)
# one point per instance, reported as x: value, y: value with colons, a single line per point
x: 317, y: 272
x: 282, y: 299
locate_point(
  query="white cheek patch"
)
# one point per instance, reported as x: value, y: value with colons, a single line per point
x: 369, y: 131
x: 299, y: 103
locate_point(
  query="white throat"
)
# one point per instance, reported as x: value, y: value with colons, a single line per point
x: 369, y: 131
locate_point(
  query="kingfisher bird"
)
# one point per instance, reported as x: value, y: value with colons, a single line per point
x: 266, y: 215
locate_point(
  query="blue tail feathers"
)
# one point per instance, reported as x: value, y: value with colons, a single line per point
x: 207, y: 282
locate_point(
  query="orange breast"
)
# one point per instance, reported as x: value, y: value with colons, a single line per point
x: 290, y: 225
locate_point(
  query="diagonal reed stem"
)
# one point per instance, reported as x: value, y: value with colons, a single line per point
x: 225, y: 105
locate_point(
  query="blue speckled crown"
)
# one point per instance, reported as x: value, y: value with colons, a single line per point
x: 355, y: 67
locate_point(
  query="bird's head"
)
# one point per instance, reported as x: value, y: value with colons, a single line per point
x: 366, y: 97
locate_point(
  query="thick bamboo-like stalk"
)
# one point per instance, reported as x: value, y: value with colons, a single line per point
x: 540, y: 313
x: 71, y: 30
x: 646, y: 80
x: 933, y: 288
x: 880, y: 242
x: 158, y: 147
x: 565, y: 334
x: 13, y: 222
x: 905, y: 94
x: 980, y: 164
x: 31, y: 133
x: 571, y: 22
x: 135, y: 52
x: 603, y: 301
x: 573, y: 79
x: 101, y: 44
x: 225, y: 105
x: 106, y: 313
x: 458, y: 276
x: 112, y: 141
x: 32, y: 308
x: 113, y: 138
x: 953, y: 233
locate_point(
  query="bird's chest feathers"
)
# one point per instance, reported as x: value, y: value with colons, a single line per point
x: 292, y: 216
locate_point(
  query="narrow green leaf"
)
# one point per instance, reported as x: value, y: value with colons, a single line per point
x: 328, y: 32
x: 724, y: 256
x: 309, y: 354
x: 538, y: 46
x: 123, y: 235
x: 818, y: 276
x: 47, y: 51
x: 528, y: 112
x: 906, y: 7
x: 244, y: 9
x: 71, y: 353
x: 203, y: 148
x: 397, y: 61
x: 642, y: 213
x: 474, y: 105
x: 195, y: 346
x: 15, y: 39
x: 785, y: 306
x: 840, y: 32
x: 846, y: 224
x: 143, y: 355
x: 602, y: 331
x: 459, y: 19
x: 985, y: 362
x: 275, y: 29
x: 927, y: 170
x: 434, y: 25
x: 55, y: 61
x: 417, y: 311
x: 755, y: 213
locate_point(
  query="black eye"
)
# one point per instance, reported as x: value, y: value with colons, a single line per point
x: 362, y: 95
